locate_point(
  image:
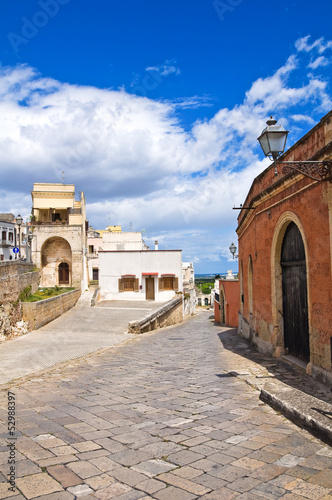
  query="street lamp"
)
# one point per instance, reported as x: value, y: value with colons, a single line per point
x: 232, y: 249
x: 273, y: 141
x: 19, y: 221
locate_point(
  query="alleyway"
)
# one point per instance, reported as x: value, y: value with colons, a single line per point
x: 158, y: 418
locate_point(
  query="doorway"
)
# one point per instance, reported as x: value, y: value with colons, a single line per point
x: 149, y: 288
x: 294, y: 294
x: 63, y: 273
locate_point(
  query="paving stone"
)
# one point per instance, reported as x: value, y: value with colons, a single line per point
x: 5, y: 493
x: 99, y: 482
x: 127, y: 476
x: 185, y: 484
x: 37, y: 485
x: 150, y: 486
x: 63, y: 495
x: 80, y: 490
x: 289, y: 461
x: 153, y: 467
x: 188, y: 472
x: 220, y: 494
x: 105, y: 464
x: 64, y: 475
x: 114, y: 490
x: 86, y: 446
x: 243, y: 484
x: 174, y: 494
x: 84, y: 469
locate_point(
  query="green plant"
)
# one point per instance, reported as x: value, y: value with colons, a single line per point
x: 25, y: 294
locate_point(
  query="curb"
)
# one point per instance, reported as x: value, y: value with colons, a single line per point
x: 306, y: 411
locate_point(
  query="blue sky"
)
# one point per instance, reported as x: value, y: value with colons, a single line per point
x: 152, y: 108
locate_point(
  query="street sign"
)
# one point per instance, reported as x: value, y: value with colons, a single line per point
x: 16, y: 250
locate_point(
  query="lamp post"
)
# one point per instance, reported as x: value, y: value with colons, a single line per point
x: 19, y: 221
x: 232, y: 249
x: 273, y: 141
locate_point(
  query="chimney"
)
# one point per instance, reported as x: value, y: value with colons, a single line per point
x: 156, y: 245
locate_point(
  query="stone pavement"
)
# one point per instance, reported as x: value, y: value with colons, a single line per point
x: 78, y: 332
x: 162, y: 417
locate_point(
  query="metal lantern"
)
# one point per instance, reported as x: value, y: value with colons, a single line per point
x: 273, y: 139
x: 232, y: 249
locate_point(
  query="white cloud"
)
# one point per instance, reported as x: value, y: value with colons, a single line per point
x: 303, y: 45
x: 165, y: 69
x: 319, y: 62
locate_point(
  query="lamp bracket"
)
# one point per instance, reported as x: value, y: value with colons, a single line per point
x: 317, y: 170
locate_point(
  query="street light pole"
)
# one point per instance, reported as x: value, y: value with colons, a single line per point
x: 19, y: 221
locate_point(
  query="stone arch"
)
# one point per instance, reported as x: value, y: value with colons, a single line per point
x: 55, y: 250
x: 276, y: 277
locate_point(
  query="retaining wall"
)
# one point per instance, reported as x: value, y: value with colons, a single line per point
x: 14, y: 277
x: 40, y: 313
x: 166, y: 315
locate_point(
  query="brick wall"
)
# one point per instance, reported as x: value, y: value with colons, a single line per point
x: 11, y: 286
x: 40, y: 313
x: 13, y: 267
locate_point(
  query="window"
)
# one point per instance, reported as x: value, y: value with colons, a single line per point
x: 128, y: 284
x: 4, y: 235
x: 91, y: 249
x: 95, y: 274
x: 168, y: 283
x: 11, y: 237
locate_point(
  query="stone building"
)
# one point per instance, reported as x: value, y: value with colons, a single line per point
x: 59, y: 235
x: 8, y: 237
x: 285, y: 259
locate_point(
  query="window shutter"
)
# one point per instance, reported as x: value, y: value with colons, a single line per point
x: 176, y: 284
x: 161, y: 284
x: 121, y: 285
x: 136, y: 285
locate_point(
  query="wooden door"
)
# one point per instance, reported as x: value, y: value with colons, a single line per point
x: 149, y: 288
x: 294, y: 294
x: 64, y: 274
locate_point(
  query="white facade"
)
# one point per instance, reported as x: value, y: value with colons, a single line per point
x: 8, y: 237
x: 140, y: 275
x: 110, y: 240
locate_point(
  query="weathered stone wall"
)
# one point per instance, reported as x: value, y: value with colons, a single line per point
x: 13, y: 267
x: 168, y: 314
x: 38, y: 314
x: 12, y: 286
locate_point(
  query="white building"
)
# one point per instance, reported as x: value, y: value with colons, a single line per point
x: 8, y: 237
x: 140, y: 274
x: 111, y: 238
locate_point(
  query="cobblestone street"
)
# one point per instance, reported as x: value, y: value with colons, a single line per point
x: 161, y: 417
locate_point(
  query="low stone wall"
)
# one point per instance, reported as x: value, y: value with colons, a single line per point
x: 11, y: 286
x: 166, y: 315
x: 38, y: 314
x: 13, y: 267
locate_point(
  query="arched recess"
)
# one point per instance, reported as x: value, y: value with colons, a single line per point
x: 277, y: 298
x: 54, y: 252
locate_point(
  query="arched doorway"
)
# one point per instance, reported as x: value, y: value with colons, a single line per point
x: 56, y: 262
x: 63, y: 273
x: 294, y: 294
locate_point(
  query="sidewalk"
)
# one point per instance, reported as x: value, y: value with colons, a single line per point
x: 80, y: 331
x: 283, y: 385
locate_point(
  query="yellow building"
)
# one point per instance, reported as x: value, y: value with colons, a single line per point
x: 59, y: 235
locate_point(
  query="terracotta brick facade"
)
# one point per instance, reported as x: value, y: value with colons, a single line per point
x: 275, y: 202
